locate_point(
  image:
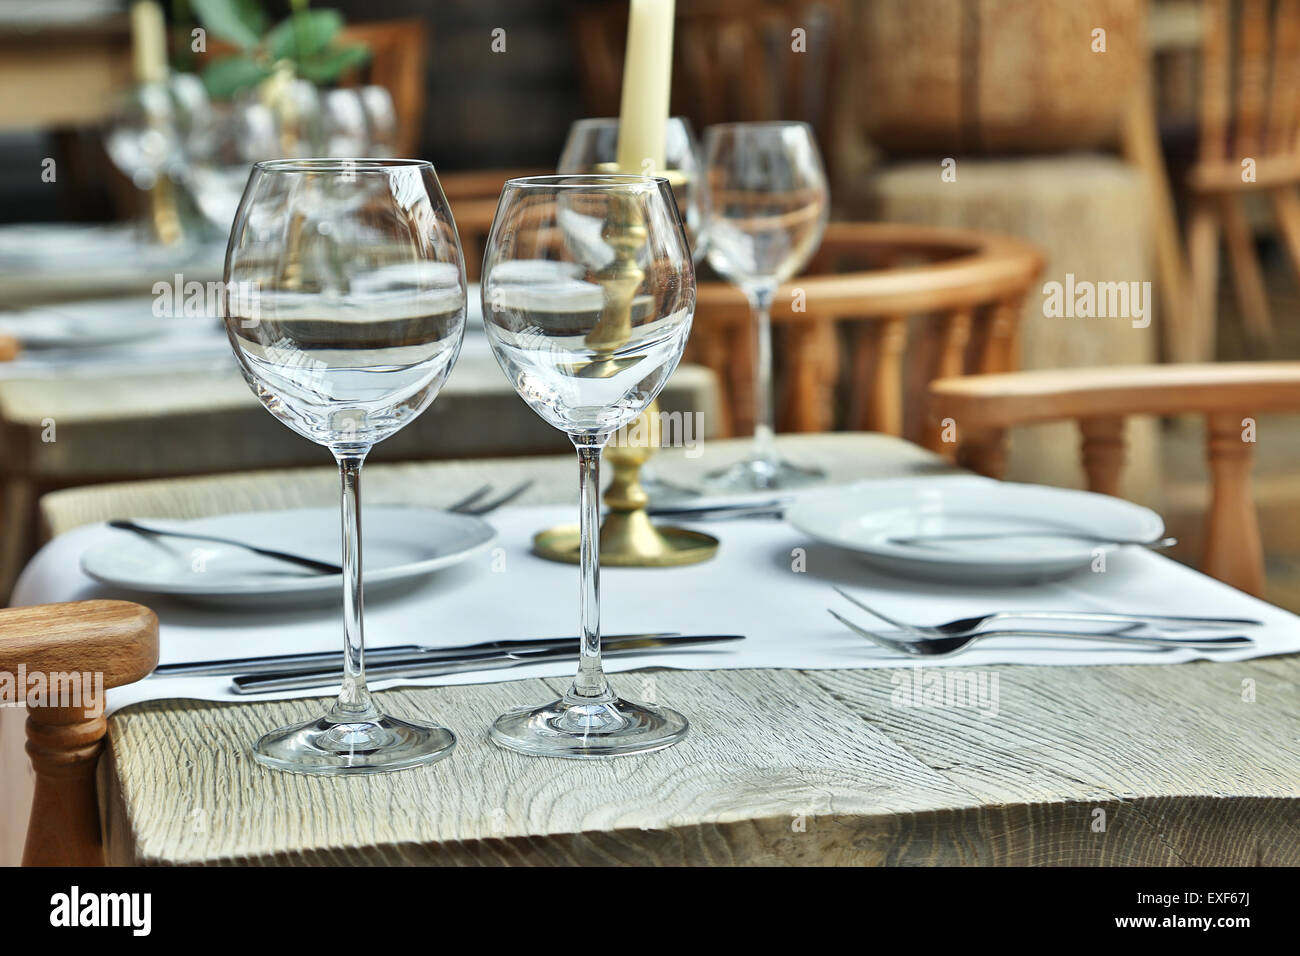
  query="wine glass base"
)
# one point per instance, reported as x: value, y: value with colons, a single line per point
x: 326, y: 745
x: 576, y: 729
x: 762, y: 474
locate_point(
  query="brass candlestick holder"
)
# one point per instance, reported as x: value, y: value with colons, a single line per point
x: 627, y: 536
x: 163, y: 217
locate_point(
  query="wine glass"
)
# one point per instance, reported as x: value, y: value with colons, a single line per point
x: 344, y: 120
x: 588, y: 295
x: 765, y: 209
x: 381, y: 118
x: 345, y: 305
x: 592, y: 147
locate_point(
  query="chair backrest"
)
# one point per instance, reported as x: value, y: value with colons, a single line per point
x: 982, y: 408
x: 473, y: 197
x: 1250, y: 92
x: 398, y: 52
x: 71, y: 653
x: 862, y: 287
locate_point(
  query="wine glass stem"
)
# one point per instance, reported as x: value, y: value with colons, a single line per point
x: 354, y: 699
x: 590, y: 682
x: 760, y: 301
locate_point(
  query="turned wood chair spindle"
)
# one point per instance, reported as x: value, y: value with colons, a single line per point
x: 67, y: 644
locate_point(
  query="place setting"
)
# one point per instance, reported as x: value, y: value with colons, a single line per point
x: 715, y: 492
x: 587, y: 298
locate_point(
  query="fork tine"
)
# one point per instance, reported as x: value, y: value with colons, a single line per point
x: 873, y: 638
x: 872, y: 611
x: 509, y: 496
x: 464, y: 503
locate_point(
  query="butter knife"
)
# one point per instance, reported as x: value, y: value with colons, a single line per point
x: 327, y: 660
x: 420, y: 667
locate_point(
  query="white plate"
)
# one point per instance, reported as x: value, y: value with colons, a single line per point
x: 865, y: 516
x: 86, y: 324
x: 400, y: 544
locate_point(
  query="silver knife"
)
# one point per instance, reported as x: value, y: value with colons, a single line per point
x: 324, y: 660
x: 420, y: 667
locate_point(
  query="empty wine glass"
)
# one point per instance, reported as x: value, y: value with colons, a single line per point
x: 344, y: 120
x: 345, y: 305
x: 381, y: 119
x: 588, y: 295
x: 765, y: 209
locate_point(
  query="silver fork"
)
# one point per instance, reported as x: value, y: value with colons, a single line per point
x: 473, y: 504
x: 914, y: 646
x: 968, y: 625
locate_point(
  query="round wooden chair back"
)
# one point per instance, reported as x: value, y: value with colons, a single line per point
x: 847, y: 353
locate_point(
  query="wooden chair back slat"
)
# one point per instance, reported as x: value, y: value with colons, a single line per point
x: 1252, y: 77
x: 971, y: 284
x: 1284, y: 83
x: 1215, y: 82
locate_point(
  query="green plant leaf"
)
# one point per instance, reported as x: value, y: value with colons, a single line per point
x: 227, y: 76
x: 304, y: 34
x: 241, y: 22
x: 330, y: 65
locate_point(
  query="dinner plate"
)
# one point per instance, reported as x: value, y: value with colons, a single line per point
x: 399, y: 544
x: 867, y: 516
x: 86, y: 323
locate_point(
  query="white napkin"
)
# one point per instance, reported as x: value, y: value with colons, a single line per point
x: 752, y: 588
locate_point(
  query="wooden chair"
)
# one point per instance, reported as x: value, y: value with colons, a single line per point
x: 115, y: 639
x: 732, y: 60
x: 983, y: 407
x: 1250, y: 123
x: 473, y: 197
x: 397, y: 63
x: 864, y: 283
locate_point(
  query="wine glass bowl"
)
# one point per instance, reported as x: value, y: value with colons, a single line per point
x: 345, y: 307
x: 553, y: 289
x: 588, y: 295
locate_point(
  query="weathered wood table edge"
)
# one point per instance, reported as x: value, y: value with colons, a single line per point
x: 1188, y: 764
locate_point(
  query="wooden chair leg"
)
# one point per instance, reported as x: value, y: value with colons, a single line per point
x: 952, y: 334
x: 1286, y: 207
x: 17, y: 512
x: 710, y: 348
x: 811, y: 360
x: 1233, y: 552
x: 876, y: 390
x: 1103, y: 453
x: 995, y: 339
x: 983, y: 452
x: 1195, y: 340
x: 740, y: 375
x: 1247, y: 277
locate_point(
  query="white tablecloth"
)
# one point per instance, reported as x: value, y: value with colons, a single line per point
x: 750, y: 588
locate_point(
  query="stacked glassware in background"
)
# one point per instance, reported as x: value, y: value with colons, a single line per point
x: 192, y: 155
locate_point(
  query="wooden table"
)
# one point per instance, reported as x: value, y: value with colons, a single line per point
x: 780, y: 767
